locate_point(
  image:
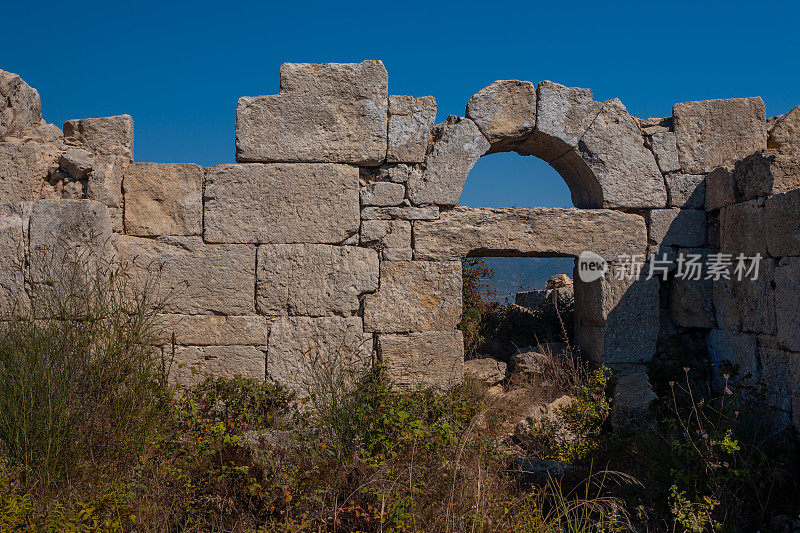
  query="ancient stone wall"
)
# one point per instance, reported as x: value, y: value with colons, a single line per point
x: 336, y: 236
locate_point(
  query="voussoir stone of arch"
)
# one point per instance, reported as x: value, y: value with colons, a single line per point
x: 717, y: 133
x: 330, y: 112
x: 20, y: 106
x: 281, y: 203
x: 505, y: 112
x: 785, y: 134
x: 457, y: 146
x: 536, y: 231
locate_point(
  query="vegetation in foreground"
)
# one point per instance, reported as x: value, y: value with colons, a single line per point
x: 94, y: 438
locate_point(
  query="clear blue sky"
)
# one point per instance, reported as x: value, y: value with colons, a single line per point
x: 179, y: 67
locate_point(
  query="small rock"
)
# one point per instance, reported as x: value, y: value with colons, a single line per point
x: 490, y: 371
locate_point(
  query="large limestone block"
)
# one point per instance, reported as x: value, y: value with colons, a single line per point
x: 787, y: 296
x: 782, y: 218
x: 415, y: 296
x: 505, y: 112
x: 429, y: 359
x: 734, y: 353
x: 193, y: 277
x: 678, y: 227
x: 383, y: 194
x: 314, y: 279
x: 385, y: 234
x: 633, y: 395
x: 410, y: 123
x: 65, y: 231
x: 212, y: 330
x: 281, y: 203
x: 721, y: 189
x: 692, y: 303
x: 457, y: 146
x: 632, y: 326
x: 163, y: 199
x: 716, y: 133
x: 104, y: 182
x: 747, y: 304
x: 307, y: 353
x: 20, y: 107
x: 104, y: 135
x: 613, y: 150
x: 687, y: 191
x: 191, y: 364
x: 785, y: 134
x: 779, y: 373
x: 743, y: 230
x: 767, y: 172
x: 534, y: 231
x: 13, y: 227
x: 430, y: 212
x: 330, y: 112
x: 665, y: 148
x: 24, y: 168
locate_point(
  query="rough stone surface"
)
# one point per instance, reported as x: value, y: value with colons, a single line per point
x: 782, y: 218
x: 104, y: 182
x: 678, y: 227
x: 104, y: 135
x: 195, y: 278
x: 410, y: 123
x: 692, y: 303
x: 13, y: 227
x: 633, y: 395
x: 212, y: 330
x: 785, y: 134
x: 716, y: 133
x: 76, y: 162
x: 787, y: 296
x: 687, y: 191
x: 721, y: 189
x: 402, y: 213
x: 192, y: 363
x: 63, y: 231
x: 734, y: 353
x: 489, y: 371
x: 457, y: 146
x: 302, y: 349
x: 563, y: 114
x: 415, y: 296
x: 505, y: 112
x: 747, y: 304
x: 163, y: 199
x: 765, y: 173
x: 314, y: 279
x: 665, y: 148
x: 386, y: 234
x: 383, y: 194
x: 431, y: 358
x: 742, y: 229
x: 535, y: 231
x: 332, y: 113
x: 281, y: 203
x: 24, y: 168
x: 20, y: 107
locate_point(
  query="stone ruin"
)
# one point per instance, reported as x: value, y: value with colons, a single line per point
x: 337, y: 235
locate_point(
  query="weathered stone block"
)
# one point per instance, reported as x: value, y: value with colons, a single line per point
x: 687, y: 191
x: 782, y: 218
x: 383, y: 194
x: 678, y: 227
x: 330, y: 112
x: 747, y: 304
x: 384, y: 234
x: 489, y: 371
x: 457, y: 146
x: 430, y: 359
x: 163, y: 199
x: 281, y: 203
x: 787, y: 296
x: 721, y: 189
x: 63, y: 231
x: 779, y: 377
x: 23, y: 169
x: 734, y: 353
x: 692, y: 303
x: 633, y: 395
x: 20, y: 107
x: 636, y: 311
x: 785, y: 134
x: 104, y: 135
x: 716, y: 133
x: 314, y: 279
x: 767, y: 172
x: 397, y: 254
x: 302, y: 351
x: 192, y: 363
x: 193, y: 277
x: 665, y: 148
x: 13, y: 227
x: 505, y: 112
x: 743, y: 230
x: 410, y: 123
x: 212, y: 330
x: 401, y: 213
x: 562, y: 232
x: 415, y: 296
x: 104, y: 182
